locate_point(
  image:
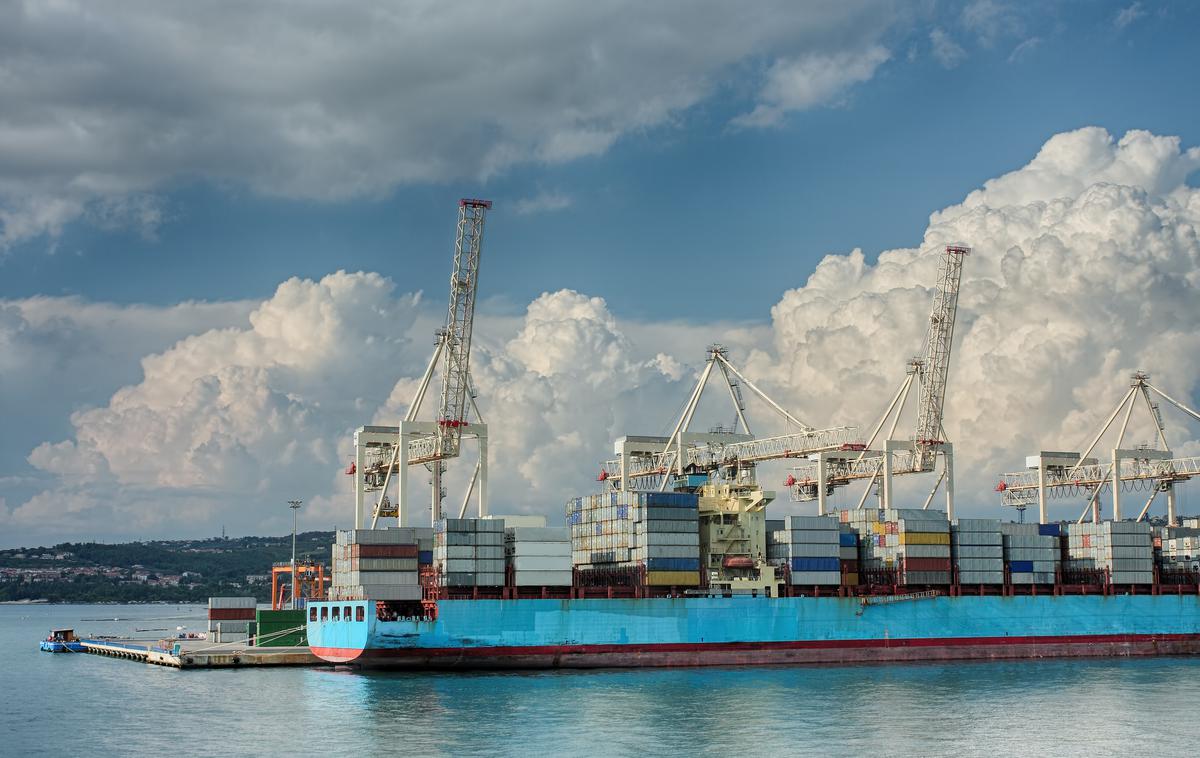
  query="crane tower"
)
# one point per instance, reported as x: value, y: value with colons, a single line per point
x: 936, y: 366
x: 378, y: 449
x: 456, y: 339
x: 835, y: 468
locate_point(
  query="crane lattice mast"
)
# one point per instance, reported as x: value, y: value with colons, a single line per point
x: 381, y: 452
x: 456, y: 347
x: 936, y: 365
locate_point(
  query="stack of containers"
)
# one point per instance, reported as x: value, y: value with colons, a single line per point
x: 229, y: 618
x: 924, y: 545
x: 469, y: 552
x: 913, y: 541
x: 1181, y: 553
x: 977, y: 548
x: 666, y: 538
x: 601, y: 528
x: 1123, y: 548
x: 814, y: 544
x: 1032, y: 552
x: 657, y: 531
x: 848, y: 553
x: 538, y: 556
x: 379, y: 564
x: 778, y: 552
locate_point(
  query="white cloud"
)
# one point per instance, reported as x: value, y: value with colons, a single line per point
x: 1086, y: 266
x: 990, y: 20
x: 948, y: 52
x: 1127, y: 16
x: 543, y: 202
x: 798, y: 83
x: 106, y: 109
x: 1024, y: 49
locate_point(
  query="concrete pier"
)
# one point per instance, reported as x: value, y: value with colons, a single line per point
x: 201, y: 654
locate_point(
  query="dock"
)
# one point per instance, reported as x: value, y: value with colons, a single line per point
x: 202, y: 655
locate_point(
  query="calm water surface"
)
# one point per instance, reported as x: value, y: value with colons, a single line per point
x: 90, y: 705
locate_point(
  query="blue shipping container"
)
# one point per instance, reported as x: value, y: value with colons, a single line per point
x: 816, y: 564
x: 848, y: 539
x: 425, y: 556
x: 1021, y: 567
x: 1050, y: 530
x: 672, y: 564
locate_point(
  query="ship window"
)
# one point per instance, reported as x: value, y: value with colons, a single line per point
x: 346, y: 613
x: 336, y: 611
x: 360, y: 613
x: 312, y: 613
x: 324, y: 612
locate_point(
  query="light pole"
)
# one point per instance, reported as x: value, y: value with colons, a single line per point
x: 295, y: 506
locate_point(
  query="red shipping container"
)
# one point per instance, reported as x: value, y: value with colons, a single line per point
x: 926, y: 564
x: 231, y: 614
x: 383, y: 551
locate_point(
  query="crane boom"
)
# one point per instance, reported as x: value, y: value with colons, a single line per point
x: 456, y: 347
x: 936, y: 364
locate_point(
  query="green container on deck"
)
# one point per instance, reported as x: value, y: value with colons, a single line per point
x: 279, y: 628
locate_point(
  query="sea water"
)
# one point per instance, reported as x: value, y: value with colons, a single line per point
x: 80, y: 704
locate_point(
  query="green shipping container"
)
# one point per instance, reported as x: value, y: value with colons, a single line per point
x: 281, y: 628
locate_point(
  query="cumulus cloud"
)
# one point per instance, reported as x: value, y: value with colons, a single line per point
x: 106, y: 109
x: 1086, y: 266
x: 242, y: 411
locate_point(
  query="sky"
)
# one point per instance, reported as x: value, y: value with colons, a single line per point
x: 225, y: 235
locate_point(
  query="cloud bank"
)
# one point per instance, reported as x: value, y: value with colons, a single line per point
x: 108, y: 109
x: 1086, y: 266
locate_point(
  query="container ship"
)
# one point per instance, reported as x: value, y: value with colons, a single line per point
x: 673, y: 561
x: 861, y: 586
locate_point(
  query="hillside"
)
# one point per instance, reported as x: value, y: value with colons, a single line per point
x: 160, y: 570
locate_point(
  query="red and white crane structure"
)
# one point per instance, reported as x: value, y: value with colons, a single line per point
x: 432, y: 443
x: 1153, y: 467
x: 929, y: 373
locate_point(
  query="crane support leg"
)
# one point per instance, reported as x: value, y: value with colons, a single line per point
x: 1116, y: 486
x: 821, y: 466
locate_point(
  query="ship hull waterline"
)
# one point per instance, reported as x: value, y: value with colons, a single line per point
x: 633, y: 634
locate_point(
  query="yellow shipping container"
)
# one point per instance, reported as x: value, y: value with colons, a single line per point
x: 850, y: 580
x: 673, y: 578
x: 924, y: 538
x: 878, y: 527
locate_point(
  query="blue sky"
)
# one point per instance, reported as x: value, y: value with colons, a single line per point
x: 165, y: 170
x: 863, y: 170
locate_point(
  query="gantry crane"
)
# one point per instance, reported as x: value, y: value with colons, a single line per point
x: 1053, y: 474
x: 432, y: 443
x: 644, y: 463
x: 828, y: 470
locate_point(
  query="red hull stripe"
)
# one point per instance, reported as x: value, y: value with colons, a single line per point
x: 347, y: 655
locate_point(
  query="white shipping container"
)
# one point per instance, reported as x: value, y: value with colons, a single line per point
x: 542, y: 579
x: 541, y: 563
x: 538, y: 548
x: 384, y: 592
x: 816, y: 577
x: 381, y: 577
x: 537, y: 534
x: 232, y: 602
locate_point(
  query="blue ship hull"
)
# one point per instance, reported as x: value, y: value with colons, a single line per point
x: 588, y: 633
